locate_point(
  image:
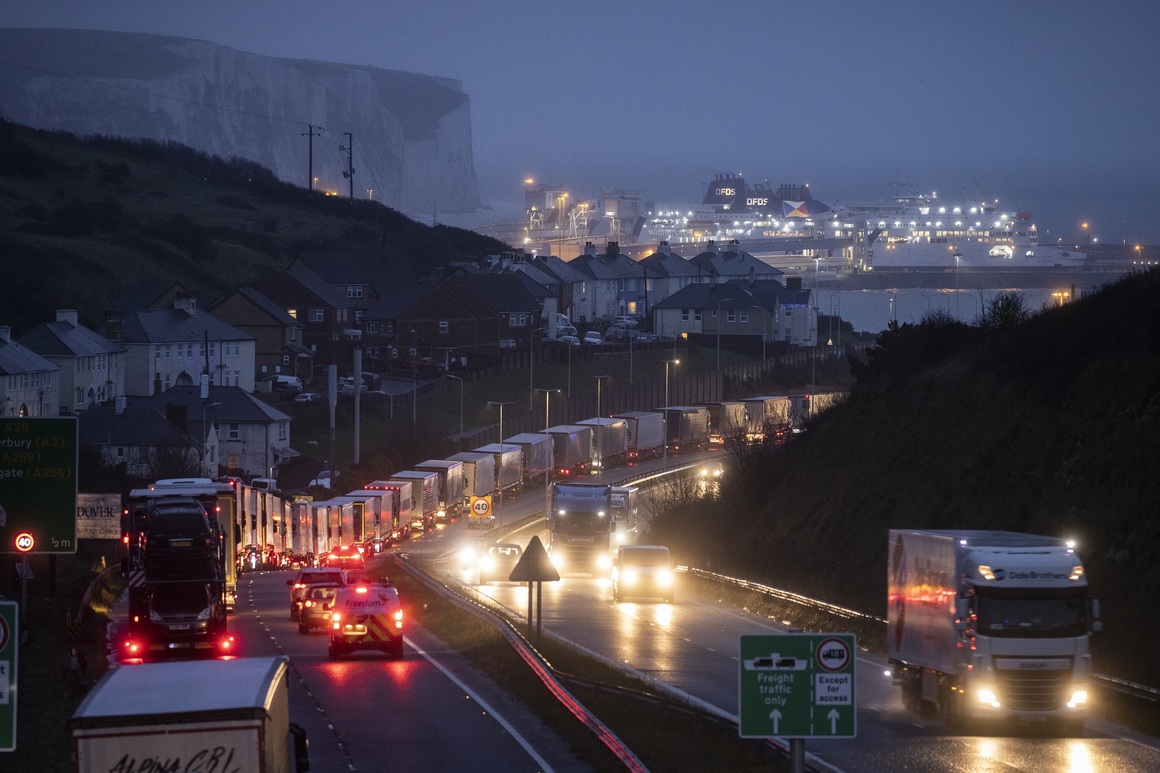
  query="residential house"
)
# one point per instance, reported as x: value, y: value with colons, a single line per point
x: 618, y: 284
x: 28, y: 381
x: 569, y: 283
x: 92, y: 368
x: 243, y: 434
x: 450, y: 324
x: 519, y: 309
x: 146, y: 441
x: 177, y: 346
x: 727, y: 262
x: 380, y: 323
x: 327, y: 315
x: 543, y: 285
x: 673, y: 271
x: 278, y: 348
x: 794, y: 308
x: 714, y: 309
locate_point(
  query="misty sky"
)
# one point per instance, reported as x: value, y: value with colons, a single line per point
x: 1052, y: 106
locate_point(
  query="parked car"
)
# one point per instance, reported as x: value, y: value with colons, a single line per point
x: 307, y: 397
x: 592, y: 337
x: 570, y: 340
x: 625, y: 322
x: 565, y: 330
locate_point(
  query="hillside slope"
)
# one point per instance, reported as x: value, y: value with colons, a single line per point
x: 1051, y: 426
x: 82, y: 220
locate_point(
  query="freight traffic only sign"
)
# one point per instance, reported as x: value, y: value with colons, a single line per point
x: 38, y: 485
x: 797, y: 685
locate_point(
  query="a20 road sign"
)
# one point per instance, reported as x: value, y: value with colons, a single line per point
x: 38, y: 485
x: 797, y: 685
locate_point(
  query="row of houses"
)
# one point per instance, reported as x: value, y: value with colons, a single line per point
x: 196, y: 360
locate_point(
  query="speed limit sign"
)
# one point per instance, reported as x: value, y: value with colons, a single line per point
x: 481, y: 507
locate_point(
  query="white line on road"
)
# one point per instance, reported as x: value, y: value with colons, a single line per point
x: 544, y: 766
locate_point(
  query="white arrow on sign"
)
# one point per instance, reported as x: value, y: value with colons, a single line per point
x: 833, y: 717
x: 775, y: 715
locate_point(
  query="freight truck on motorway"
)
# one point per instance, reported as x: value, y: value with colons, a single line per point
x: 609, y: 441
x: 538, y: 453
x: 571, y: 449
x: 193, y: 715
x: 990, y: 626
x: 645, y: 434
x: 509, y: 464
x: 688, y: 428
x: 451, y: 484
x: 478, y: 473
x: 581, y: 524
x: 425, y: 497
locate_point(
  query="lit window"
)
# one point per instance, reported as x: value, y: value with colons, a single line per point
x: 444, y: 327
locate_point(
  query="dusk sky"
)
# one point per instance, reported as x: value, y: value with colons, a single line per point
x: 1050, y: 106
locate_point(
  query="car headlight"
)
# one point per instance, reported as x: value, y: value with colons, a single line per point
x: 665, y: 578
x: 557, y: 561
x: 487, y: 563
x: 1078, y: 698
x: 628, y: 577
x: 988, y: 697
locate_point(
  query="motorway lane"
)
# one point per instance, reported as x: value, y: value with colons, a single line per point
x: 366, y: 712
x: 692, y: 645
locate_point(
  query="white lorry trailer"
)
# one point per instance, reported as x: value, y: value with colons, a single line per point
x: 645, y: 434
x: 190, y: 715
x: 990, y: 625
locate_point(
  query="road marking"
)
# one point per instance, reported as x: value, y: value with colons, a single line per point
x: 544, y: 766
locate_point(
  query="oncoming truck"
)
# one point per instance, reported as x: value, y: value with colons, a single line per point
x: 990, y: 626
x: 584, y: 524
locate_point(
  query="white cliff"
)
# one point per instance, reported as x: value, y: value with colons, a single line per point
x: 411, y: 133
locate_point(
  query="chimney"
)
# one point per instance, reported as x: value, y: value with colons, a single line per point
x: 664, y: 249
x: 752, y: 278
x: 156, y: 384
x: 186, y: 303
x: 589, y: 248
x: 67, y: 315
x: 119, y: 405
x: 613, y: 249
x: 5, y: 334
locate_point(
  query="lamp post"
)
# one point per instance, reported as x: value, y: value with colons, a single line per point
x: 599, y: 456
x: 460, y: 380
x: 532, y: 363
x: 547, y: 472
x: 835, y: 298
x: 666, y: 406
x: 499, y: 499
x: 205, y: 431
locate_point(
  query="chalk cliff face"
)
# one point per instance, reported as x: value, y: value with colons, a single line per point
x: 411, y: 133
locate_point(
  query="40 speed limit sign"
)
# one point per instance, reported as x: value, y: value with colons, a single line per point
x: 480, y: 507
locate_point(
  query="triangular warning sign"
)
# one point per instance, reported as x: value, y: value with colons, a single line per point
x: 534, y: 565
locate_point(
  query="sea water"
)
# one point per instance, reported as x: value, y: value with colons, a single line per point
x: 872, y: 310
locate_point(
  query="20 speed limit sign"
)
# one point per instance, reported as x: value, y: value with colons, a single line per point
x: 481, y: 507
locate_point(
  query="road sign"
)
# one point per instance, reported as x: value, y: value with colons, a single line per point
x: 797, y: 685
x: 480, y: 507
x: 9, y: 637
x: 38, y: 485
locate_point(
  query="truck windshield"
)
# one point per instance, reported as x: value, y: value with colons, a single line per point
x: 1039, y: 613
x: 575, y: 522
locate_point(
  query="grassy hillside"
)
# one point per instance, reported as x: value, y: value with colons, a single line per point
x: 1050, y: 425
x: 83, y: 219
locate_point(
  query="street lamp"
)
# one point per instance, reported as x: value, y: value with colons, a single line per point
x: 501, y: 404
x: 532, y: 362
x: 205, y: 431
x: 547, y: 472
x: 834, y: 297
x: 666, y: 407
x: 460, y: 380
x: 599, y: 456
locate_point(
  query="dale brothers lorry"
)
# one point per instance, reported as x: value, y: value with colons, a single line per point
x: 580, y: 527
x: 990, y: 626
x: 208, y: 715
x: 645, y: 431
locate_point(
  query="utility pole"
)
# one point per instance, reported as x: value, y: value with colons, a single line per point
x: 349, y: 172
x: 311, y: 134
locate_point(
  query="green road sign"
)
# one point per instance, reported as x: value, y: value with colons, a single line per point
x: 38, y: 485
x: 797, y: 685
x: 9, y: 635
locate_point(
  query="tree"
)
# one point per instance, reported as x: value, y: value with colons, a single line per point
x: 1005, y: 311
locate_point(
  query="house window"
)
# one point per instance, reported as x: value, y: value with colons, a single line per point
x: 444, y: 327
x: 233, y: 431
x: 293, y: 313
x: 316, y: 315
x: 390, y: 327
x: 372, y: 326
x: 685, y: 315
x: 354, y: 291
x: 285, y: 360
x: 731, y: 316
x: 358, y: 316
x: 745, y: 316
x: 518, y: 320
x: 696, y: 315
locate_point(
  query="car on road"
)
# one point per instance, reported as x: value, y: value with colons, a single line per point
x: 344, y: 557
x: 317, y: 606
x: 472, y: 550
x: 642, y: 571
x: 592, y: 337
x: 366, y: 615
x: 570, y: 340
x: 497, y: 563
x: 306, y: 577
x: 625, y: 322
x: 307, y: 397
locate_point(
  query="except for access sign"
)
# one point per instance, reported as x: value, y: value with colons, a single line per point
x: 38, y: 485
x: 797, y: 685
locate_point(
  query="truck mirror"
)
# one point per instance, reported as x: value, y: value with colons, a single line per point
x: 1095, y: 609
x: 301, y: 748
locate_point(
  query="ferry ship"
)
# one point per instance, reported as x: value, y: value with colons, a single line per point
x: 919, y: 231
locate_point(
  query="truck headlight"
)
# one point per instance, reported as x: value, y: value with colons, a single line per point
x: 988, y: 697
x: 1078, y: 698
x: 557, y: 561
x: 628, y: 577
x: 604, y: 562
x: 665, y: 578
